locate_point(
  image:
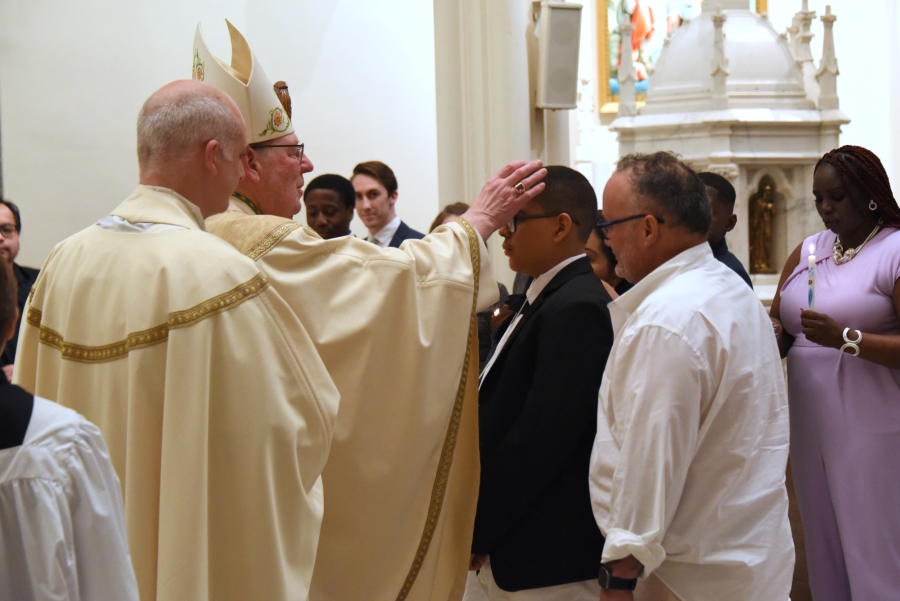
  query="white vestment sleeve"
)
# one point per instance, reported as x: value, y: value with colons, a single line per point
x: 36, y: 546
x: 100, y: 539
x: 656, y: 429
x: 62, y: 528
x: 488, y: 293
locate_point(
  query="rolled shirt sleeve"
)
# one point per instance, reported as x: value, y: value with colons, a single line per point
x: 653, y: 408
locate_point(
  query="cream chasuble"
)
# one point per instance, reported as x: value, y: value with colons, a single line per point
x: 216, y: 409
x: 396, y: 330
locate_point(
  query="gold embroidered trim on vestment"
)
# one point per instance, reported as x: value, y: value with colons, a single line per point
x: 446, y: 460
x: 269, y: 242
x: 218, y: 304
x: 33, y: 317
x: 149, y: 337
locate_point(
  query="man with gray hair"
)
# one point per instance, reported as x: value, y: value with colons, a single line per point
x: 217, y: 410
x: 396, y: 329
x: 688, y: 470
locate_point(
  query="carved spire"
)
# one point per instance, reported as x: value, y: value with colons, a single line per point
x: 802, y: 52
x: 804, y: 36
x: 627, y: 74
x: 719, y: 62
x: 790, y: 34
x: 828, y: 67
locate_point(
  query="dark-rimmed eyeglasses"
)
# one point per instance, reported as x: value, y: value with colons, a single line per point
x: 603, y: 226
x: 299, y: 147
x: 517, y: 219
x: 8, y: 230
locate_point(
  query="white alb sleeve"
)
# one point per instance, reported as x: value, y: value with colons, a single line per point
x: 62, y: 526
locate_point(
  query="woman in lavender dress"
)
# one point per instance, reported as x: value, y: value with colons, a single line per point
x: 844, y: 381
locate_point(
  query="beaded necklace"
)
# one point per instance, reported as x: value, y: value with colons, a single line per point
x: 840, y: 257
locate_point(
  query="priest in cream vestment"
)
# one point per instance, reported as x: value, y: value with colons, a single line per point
x: 216, y: 408
x: 396, y: 330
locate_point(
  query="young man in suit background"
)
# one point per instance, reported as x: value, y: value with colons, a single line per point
x: 376, y: 195
x: 330, y: 200
x: 535, y: 535
x: 722, y: 196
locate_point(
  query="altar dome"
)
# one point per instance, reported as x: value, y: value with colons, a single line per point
x: 731, y: 96
x: 762, y: 72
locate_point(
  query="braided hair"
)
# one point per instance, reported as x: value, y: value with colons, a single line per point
x: 859, y: 166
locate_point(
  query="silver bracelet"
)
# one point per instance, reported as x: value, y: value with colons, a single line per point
x: 852, y: 344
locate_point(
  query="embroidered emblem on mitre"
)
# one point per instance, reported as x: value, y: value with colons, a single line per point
x: 246, y: 83
x: 199, y: 75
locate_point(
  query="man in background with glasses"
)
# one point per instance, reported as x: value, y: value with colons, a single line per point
x: 396, y: 330
x: 535, y: 536
x: 10, y: 230
x: 688, y: 467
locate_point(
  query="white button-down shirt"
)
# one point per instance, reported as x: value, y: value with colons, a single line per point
x: 688, y: 468
x: 384, y: 236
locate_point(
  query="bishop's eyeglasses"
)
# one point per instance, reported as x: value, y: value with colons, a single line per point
x: 299, y: 147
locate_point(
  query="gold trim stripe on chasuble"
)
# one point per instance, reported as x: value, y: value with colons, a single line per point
x: 446, y: 460
x: 273, y: 238
x: 149, y: 337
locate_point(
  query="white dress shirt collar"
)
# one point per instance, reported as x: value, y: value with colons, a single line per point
x: 540, y: 282
x: 384, y: 236
x: 534, y: 290
x: 623, y: 306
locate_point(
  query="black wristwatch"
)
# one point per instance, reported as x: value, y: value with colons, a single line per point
x: 608, y: 582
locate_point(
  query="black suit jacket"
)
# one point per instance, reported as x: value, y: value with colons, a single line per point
x: 25, y: 278
x: 721, y: 252
x: 404, y: 232
x: 16, y: 406
x: 537, y: 420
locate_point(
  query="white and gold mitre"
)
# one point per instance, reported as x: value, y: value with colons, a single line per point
x: 246, y: 83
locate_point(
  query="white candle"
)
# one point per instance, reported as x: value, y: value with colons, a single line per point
x: 811, y: 271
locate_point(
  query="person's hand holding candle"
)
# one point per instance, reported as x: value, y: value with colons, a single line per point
x: 821, y: 329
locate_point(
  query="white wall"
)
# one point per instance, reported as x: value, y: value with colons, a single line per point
x: 73, y: 76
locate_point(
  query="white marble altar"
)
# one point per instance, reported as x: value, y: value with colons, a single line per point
x: 732, y: 96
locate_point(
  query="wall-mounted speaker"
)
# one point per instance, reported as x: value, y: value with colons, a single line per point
x: 559, y: 36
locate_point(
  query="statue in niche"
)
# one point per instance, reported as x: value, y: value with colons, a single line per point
x: 762, y: 213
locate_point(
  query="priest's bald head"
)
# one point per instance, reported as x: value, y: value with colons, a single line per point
x: 192, y: 139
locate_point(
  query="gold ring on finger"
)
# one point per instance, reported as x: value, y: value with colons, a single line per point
x: 519, y: 188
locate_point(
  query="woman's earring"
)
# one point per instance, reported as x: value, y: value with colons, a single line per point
x: 873, y: 206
